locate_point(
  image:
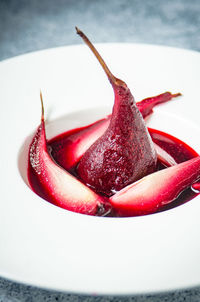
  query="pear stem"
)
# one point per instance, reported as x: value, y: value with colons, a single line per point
x: 42, y: 106
x: 109, y: 74
x: 176, y: 95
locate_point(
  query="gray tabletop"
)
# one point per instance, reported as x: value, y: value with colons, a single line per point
x: 27, y: 26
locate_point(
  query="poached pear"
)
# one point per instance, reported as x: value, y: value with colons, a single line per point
x: 125, y: 152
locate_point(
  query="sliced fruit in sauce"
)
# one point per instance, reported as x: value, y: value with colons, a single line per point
x: 56, y: 185
x: 173, y: 148
x: 152, y: 192
x: 166, y: 170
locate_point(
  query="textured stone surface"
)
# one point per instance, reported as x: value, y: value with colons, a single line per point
x: 13, y: 292
x: 33, y: 25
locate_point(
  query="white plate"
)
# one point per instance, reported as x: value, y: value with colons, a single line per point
x: 46, y: 246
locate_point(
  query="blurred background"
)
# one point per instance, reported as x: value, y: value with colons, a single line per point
x: 27, y: 26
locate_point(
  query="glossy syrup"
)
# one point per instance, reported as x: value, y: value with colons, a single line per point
x: 64, y: 142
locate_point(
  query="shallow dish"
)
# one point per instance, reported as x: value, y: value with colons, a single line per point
x: 47, y: 246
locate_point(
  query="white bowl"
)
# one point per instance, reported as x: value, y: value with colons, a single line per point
x: 47, y: 246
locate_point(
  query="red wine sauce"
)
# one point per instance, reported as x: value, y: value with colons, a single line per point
x: 179, y: 150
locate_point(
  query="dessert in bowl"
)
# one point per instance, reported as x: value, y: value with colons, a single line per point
x: 115, y: 166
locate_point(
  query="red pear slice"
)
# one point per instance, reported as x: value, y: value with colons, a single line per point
x: 69, y: 151
x: 55, y: 184
x: 152, y: 192
x: 146, y: 106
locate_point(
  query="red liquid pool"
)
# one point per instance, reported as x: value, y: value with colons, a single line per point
x: 66, y: 142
